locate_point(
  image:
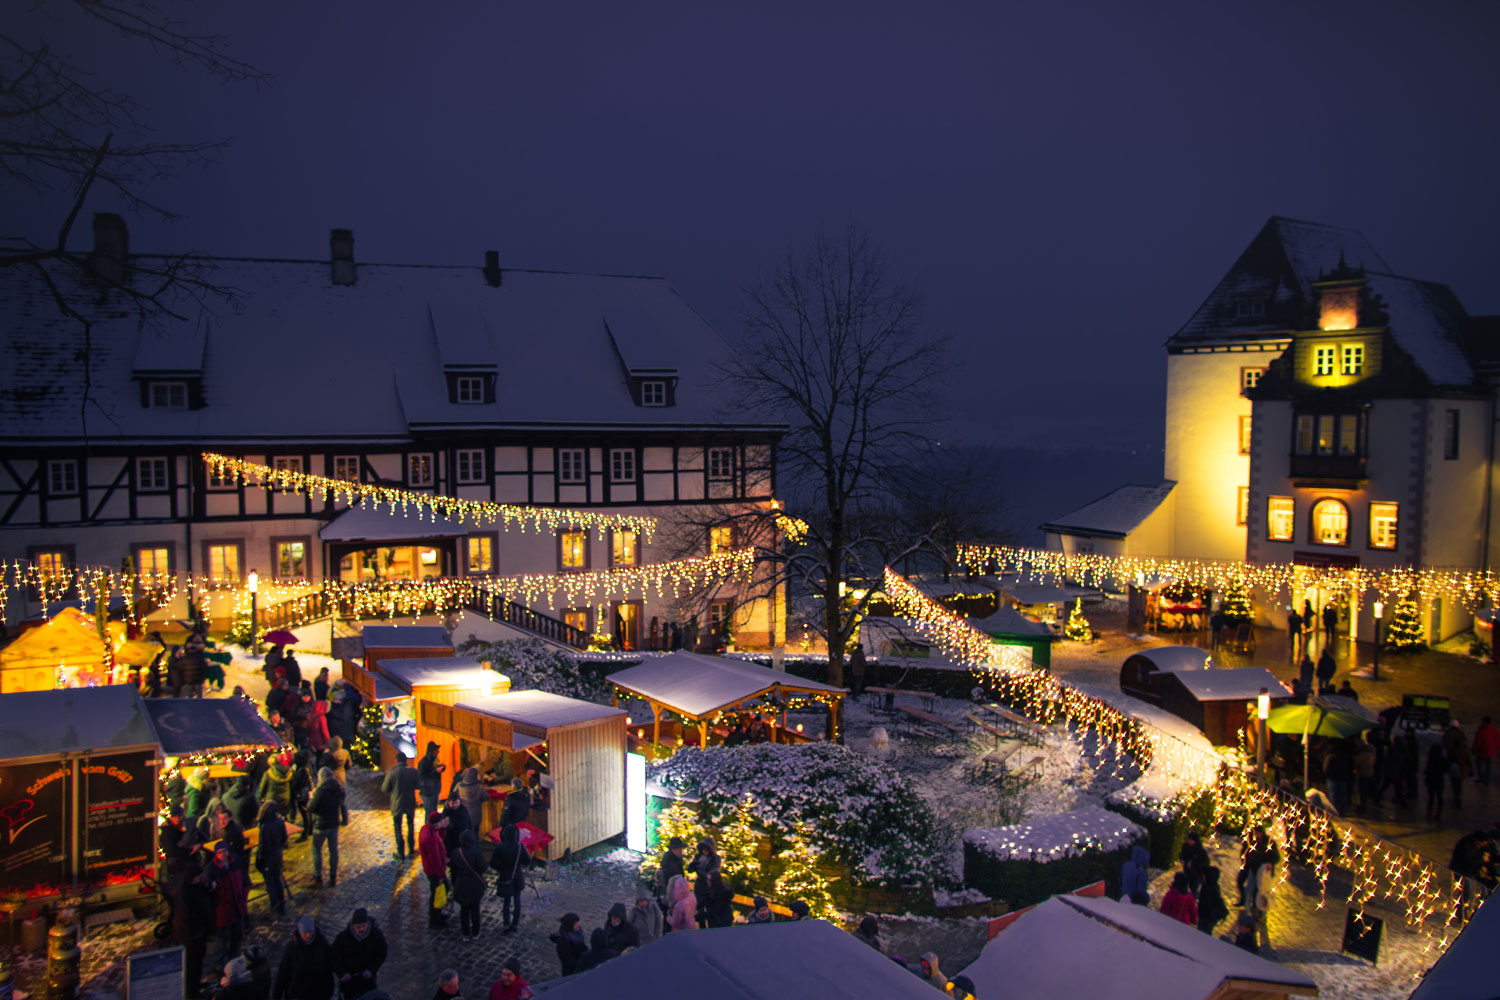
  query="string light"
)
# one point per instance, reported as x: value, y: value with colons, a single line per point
x: 356, y: 494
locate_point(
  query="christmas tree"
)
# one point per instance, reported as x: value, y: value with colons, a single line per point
x: 677, y: 820
x: 738, y: 842
x: 800, y: 879
x: 1236, y: 604
x: 1077, y: 628
x: 1405, y: 630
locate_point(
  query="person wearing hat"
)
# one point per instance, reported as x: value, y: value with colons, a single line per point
x: 237, y: 983
x: 358, y: 952
x: 760, y: 912
x: 569, y: 942
x: 343, y: 713
x: 306, y: 971
x: 671, y: 864
x: 800, y: 910
x: 510, y: 985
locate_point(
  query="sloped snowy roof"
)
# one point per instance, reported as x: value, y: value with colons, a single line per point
x: 293, y: 356
x: 697, y: 685
x: 1116, y: 514
x: 72, y: 720
x: 365, y: 524
x: 1467, y: 969
x: 539, y: 708
x: 803, y: 959
x: 1171, y: 659
x: 405, y: 637
x: 1231, y: 684
x: 447, y: 671
x: 1426, y: 320
x: 1009, y: 621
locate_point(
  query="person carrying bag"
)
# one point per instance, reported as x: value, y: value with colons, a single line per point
x: 508, y: 861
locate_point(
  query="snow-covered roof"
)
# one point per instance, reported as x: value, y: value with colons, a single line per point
x: 405, y: 637
x: 1062, y: 835
x: 1009, y: 621
x: 696, y: 685
x: 1037, y: 593
x: 539, y: 708
x: 808, y: 958
x: 1114, y: 515
x: 271, y: 355
x: 1425, y: 320
x: 72, y: 720
x: 1467, y: 969
x: 366, y: 524
x: 1134, y: 953
x: 447, y: 671
x: 1239, y: 683
x: 1173, y: 659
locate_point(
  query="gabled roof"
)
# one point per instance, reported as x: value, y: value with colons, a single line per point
x: 366, y: 524
x: 439, y: 671
x: 1427, y: 321
x: 1009, y: 621
x: 1234, y: 684
x: 1116, y: 514
x: 695, y: 685
x: 292, y: 356
x: 1277, y: 268
x: 539, y: 708
x: 405, y: 637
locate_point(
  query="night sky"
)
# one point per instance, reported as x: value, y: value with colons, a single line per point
x: 1066, y: 181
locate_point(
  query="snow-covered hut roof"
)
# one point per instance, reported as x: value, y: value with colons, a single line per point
x: 447, y: 671
x: 695, y: 685
x: 72, y: 720
x: 539, y: 709
x: 405, y: 637
x: 1236, y: 684
x: 1134, y: 953
x: 809, y: 958
x: 285, y: 331
x: 1009, y: 621
x: 208, y: 725
x: 1114, y: 515
x: 366, y: 524
x: 1467, y: 969
x: 1173, y: 659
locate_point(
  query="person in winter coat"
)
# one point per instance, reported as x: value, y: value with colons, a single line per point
x: 645, y: 916
x: 317, y: 727
x: 1364, y: 771
x: 598, y: 952
x: 510, y: 862
x: 328, y: 814
x: 1211, y: 908
x: 1135, y: 876
x: 306, y: 971
x: 458, y: 822
x: 704, y: 863
x: 336, y: 759
x: 1460, y: 762
x: 1194, y: 859
x: 682, y: 906
x: 400, y: 785
x: 760, y: 912
x: 869, y: 933
x: 671, y: 864
x: 226, y: 881
x: 178, y: 841
x: 1485, y: 749
x: 1178, y: 903
x: 1258, y: 891
x: 569, y: 941
x: 343, y: 715
x: 1306, y: 672
x: 320, y: 685
x: 718, y: 902
x: 473, y: 792
x: 241, y: 802
x: 465, y: 867
x: 1434, y: 774
x: 218, y: 824
x: 302, y: 787
x: 192, y: 922
x: 1401, y: 763
x: 1338, y: 774
x: 434, y: 863
x: 1326, y: 669
x: 270, y: 854
x: 620, y: 931
x: 430, y: 780
x: 293, y: 671
x: 510, y: 985
x: 200, y: 790
x: 517, y: 804
x: 276, y: 785
x: 358, y: 952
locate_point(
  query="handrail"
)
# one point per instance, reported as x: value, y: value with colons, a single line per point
x: 518, y: 615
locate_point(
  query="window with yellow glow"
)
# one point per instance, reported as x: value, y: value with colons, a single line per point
x: 419, y: 469
x: 153, y: 562
x: 623, y: 547
x: 291, y: 559
x: 346, y: 467
x: 1383, y: 520
x: 1281, y: 518
x: 1245, y: 423
x: 575, y: 549
x: 223, y: 561
x: 1326, y: 424
x: 1323, y: 360
x: 1242, y: 506
x: 50, y: 563
x: 578, y: 618
x: 1353, y: 360
x: 720, y: 539
x: 1330, y: 522
x: 1250, y: 378
x: 481, y: 554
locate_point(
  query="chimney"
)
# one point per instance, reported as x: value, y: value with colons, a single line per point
x: 111, y: 254
x: 492, y: 268
x: 341, y: 244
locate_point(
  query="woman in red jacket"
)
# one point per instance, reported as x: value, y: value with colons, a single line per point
x: 1179, y: 903
x: 317, y: 727
x: 434, y: 863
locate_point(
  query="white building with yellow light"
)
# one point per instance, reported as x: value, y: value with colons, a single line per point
x: 1322, y: 411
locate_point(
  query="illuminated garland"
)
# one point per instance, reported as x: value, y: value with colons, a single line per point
x: 353, y: 493
x: 1472, y: 588
x: 1383, y: 871
x: 794, y: 528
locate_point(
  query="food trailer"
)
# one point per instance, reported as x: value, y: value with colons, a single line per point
x: 577, y: 746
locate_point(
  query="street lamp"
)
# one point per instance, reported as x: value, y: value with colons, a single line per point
x: 253, y: 582
x: 1375, y: 671
x: 1262, y: 713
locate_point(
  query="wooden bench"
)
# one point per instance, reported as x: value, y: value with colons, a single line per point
x: 925, y: 718
x: 1033, y: 765
x: 995, y: 760
x: 929, y: 700
x: 1018, y: 722
x: 977, y: 721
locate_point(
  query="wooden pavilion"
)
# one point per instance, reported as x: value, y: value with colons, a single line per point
x: 697, y: 688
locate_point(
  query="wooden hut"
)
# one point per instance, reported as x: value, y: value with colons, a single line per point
x: 578, y: 745
x: 436, y: 680
x: 1008, y: 627
x: 399, y: 642
x: 1216, y: 700
x: 1141, y: 676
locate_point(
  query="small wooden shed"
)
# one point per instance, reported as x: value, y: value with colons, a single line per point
x: 1216, y: 701
x: 398, y: 642
x: 440, y: 681
x: 579, y: 745
x: 1141, y: 676
x: 1008, y: 627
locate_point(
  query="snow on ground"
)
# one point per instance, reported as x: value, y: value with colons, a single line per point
x: 247, y: 671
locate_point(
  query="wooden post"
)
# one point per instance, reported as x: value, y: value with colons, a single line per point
x: 655, y: 722
x: 702, y: 734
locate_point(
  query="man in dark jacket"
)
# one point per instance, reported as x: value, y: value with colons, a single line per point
x: 598, y: 953
x: 517, y: 804
x: 343, y: 717
x: 358, y: 953
x: 177, y: 840
x: 1326, y: 669
x: 400, y: 785
x: 671, y: 864
x: 430, y: 779
x: 328, y: 814
x: 276, y: 699
x: 458, y: 822
x: 306, y: 971
x: 217, y: 824
x: 192, y: 923
x: 621, y: 932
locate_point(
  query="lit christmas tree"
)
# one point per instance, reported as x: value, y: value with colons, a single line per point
x: 1236, y: 604
x: 737, y: 845
x: 799, y: 879
x: 1405, y: 630
x: 366, y: 749
x: 677, y: 820
x: 1077, y: 628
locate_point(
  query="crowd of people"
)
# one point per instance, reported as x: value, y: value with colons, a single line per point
x: 1195, y: 896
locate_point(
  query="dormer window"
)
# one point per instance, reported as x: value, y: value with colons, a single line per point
x: 470, y: 389
x: 468, y: 386
x: 168, y: 396
x: 654, y: 387
x: 174, y: 390
x: 1249, y: 308
x: 653, y: 392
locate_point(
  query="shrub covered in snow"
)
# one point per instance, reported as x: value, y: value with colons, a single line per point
x: 1025, y: 863
x: 535, y: 665
x: 861, y: 812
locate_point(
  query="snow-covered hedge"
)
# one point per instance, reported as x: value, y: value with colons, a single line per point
x: 535, y: 665
x: 867, y: 816
x: 1025, y: 863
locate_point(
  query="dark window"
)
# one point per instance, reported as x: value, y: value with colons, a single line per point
x: 1328, y: 434
x: 470, y: 388
x: 653, y: 393
x: 62, y: 477
x: 169, y: 396
x: 721, y: 463
x: 1450, y: 434
x: 570, y: 465
x: 621, y: 465
x: 151, y: 475
x: 470, y: 462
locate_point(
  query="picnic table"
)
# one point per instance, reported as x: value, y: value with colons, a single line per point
x: 981, y: 724
x: 929, y: 700
x: 995, y: 760
x: 1016, y: 721
x: 927, y: 718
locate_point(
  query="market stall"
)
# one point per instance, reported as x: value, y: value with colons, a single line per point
x: 1218, y: 701
x: 698, y: 689
x: 78, y: 771
x: 399, y: 642
x: 1008, y: 627
x: 577, y: 747
x: 68, y: 651
x: 1142, y: 673
x: 420, y: 680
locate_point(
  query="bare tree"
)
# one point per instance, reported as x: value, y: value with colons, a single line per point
x: 833, y: 348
